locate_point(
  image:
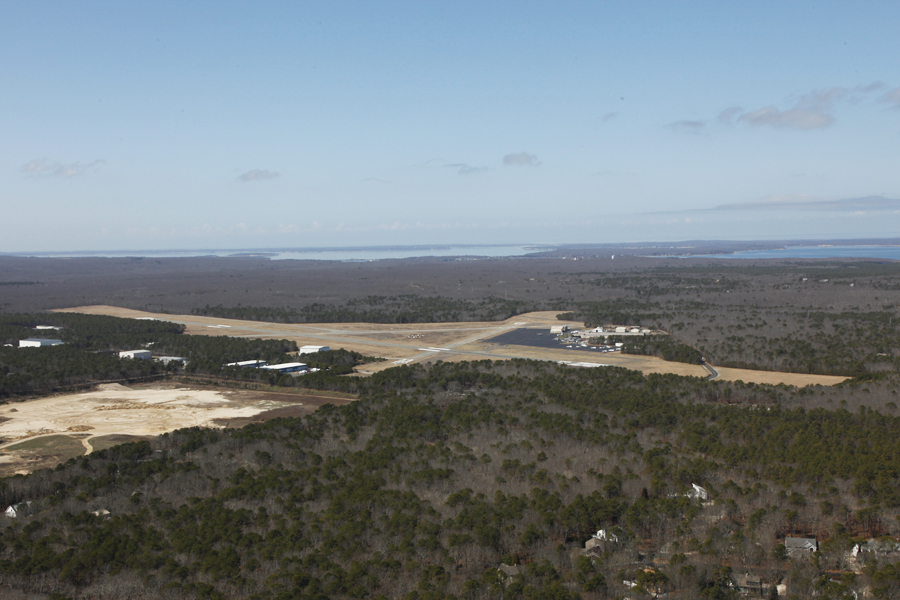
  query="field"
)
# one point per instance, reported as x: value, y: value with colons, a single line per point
x: 40, y: 433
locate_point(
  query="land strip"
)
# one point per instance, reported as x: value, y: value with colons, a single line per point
x: 418, y: 342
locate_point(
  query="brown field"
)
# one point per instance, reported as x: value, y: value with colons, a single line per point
x: 775, y: 378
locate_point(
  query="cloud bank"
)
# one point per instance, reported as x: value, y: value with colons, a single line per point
x: 258, y: 175
x: 814, y: 110
x: 521, y: 159
x: 42, y: 168
x: 464, y: 169
x: 804, y: 202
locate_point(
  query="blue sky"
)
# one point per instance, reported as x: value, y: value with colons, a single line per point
x: 152, y: 125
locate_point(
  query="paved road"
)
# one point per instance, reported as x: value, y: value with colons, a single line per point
x: 713, y: 374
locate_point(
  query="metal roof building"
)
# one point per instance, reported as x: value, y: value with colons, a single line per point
x: 38, y: 342
x: 293, y: 367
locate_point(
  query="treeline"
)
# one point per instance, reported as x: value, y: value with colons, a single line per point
x: 407, y: 308
x: 438, y: 476
x: 85, y: 332
x: 664, y: 347
x: 92, y: 344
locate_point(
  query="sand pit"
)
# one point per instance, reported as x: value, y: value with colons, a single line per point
x: 40, y: 433
x: 117, y: 410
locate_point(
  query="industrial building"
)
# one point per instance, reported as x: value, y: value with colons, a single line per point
x: 167, y: 359
x: 251, y: 364
x: 38, y: 342
x: 293, y: 367
x: 136, y: 354
x: 312, y: 349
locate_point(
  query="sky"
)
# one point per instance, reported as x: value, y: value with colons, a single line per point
x: 180, y: 125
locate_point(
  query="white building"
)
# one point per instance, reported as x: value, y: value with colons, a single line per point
x: 38, y: 342
x: 253, y: 364
x: 559, y: 329
x: 136, y: 354
x: 54, y: 327
x: 312, y: 349
x: 697, y: 492
x: 15, y: 510
x: 167, y: 359
x: 293, y: 367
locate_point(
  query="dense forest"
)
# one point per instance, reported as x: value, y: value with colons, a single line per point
x: 407, y: 308
x: 92, y: 344
x: 479, y: 480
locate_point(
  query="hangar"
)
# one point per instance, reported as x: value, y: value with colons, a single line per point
x: 38, y: 342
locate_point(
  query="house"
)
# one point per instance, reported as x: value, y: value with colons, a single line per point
x: 507, y: 573
x: 748, y: 584
x: 604, y: 535
x: 877, y: 549
x: 19, y: 510
x: 800, y: 546
x: 697, y: 492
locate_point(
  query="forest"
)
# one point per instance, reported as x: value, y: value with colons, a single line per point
x: 92, y: 344
x: 407, y: 308
x: 479, y: 480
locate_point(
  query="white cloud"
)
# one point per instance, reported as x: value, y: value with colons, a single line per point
x: 794, y: 118
x: 464, y: 169
x: 521, y: 159
x: 687, y: 126
x: 258, y: 175
x: 812, y: 111
x: 727, y: 116
x: 892, y: 97
x: 812, y: 203
x: 42, y: 167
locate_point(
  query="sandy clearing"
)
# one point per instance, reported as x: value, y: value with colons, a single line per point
x: 775, y: 377
x: 123, y: 411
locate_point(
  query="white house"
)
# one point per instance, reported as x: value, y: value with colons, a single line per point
x: 697, y: 492
x: 136, y: 354
x: 605, y: 536
x: 20, y: 509
x: 800, y: 546
x: 38, y: 342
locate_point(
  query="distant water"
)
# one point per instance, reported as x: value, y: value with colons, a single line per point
x: 889, y: 252
x: 342, y: 254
